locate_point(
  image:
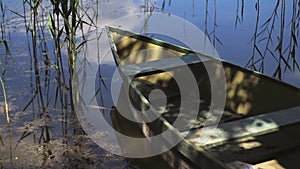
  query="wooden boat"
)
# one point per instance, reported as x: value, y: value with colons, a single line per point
x: 259, y: 126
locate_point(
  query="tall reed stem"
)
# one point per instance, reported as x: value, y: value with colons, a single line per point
x: 5, y: 101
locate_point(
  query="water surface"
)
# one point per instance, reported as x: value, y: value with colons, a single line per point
x: 44, y: 131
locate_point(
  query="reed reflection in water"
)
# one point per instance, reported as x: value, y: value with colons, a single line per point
x: 269, y: 28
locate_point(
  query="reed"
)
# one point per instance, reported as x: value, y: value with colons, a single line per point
x: 6, y: 108
x: 252, y: 61
x: 65, y: 21
x: 239, y: 14
x: 294, y: 34
x: 2, y: 26
x: 269, y: 39
x: 4, y: 66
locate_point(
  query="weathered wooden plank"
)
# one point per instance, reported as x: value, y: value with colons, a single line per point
x: 252, y: 126
x: 162, y: 65
x: 260, y: 148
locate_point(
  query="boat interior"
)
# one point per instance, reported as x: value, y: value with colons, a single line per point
x: 261, y: 116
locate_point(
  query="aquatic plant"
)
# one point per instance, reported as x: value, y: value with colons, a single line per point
x: 4, y: 92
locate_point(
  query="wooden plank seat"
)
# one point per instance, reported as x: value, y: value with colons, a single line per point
x: 247, y: 127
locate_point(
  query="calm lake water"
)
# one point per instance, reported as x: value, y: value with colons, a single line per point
x: 44, y: 132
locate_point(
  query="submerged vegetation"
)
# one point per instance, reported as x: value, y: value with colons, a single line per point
x: 57, y: 31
